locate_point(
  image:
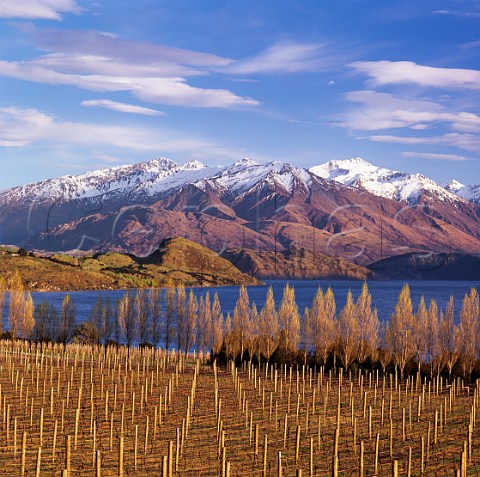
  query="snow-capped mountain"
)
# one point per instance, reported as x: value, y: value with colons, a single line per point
x: 399, y: 186
x: 340, y: 208
x: 468, y: 192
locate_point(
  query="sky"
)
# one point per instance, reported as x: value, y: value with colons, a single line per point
x: 91, y: 84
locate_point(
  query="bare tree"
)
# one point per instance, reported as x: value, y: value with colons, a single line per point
x: 141, y: 313
x: 28, y: 321
x: 254, y: 346
x: 181, y: 316
x: 16, y: 305
x: 420, y: 333
x: 155, y: 306
x: 107, y: 326
x: 204, y: 326
x: 348, y: 332
x: 242, y: 323
x: 230, y: 341
x: 97, y: 316
x: 46, y: 322
x: 468, y: 326
x: 311, y: 322
x: 289, y: 320
x: 217, y: 326
x: 190, y: 323
x: 68, y: 315
x: 433, y: 346
x: 3, y: 296
x: 326, y: 325
x: 368, y: 326
x: 448, y: 337
x: 170, y: 316
x: 384, y: 352
x: 127, y: 321
x: 268, y: 329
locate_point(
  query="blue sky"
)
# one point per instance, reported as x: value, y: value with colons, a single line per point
x: 90, y: 84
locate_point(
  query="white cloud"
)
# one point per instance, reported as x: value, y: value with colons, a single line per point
x: 379, y: 111
x: 37, y: 9
x: 407, y: 72
x: 457, y: 13
x: 436, y: 156
x: 287, y: 57
x: 468, y: 142
x: 31, y: 127
x: 121, y: 107
x: 167, y: 90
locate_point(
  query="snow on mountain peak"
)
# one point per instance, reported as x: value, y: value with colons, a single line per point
x: 381, y: 181
x: 193, y: 166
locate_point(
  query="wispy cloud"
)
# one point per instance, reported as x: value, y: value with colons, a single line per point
x: 458, y: 13
x: 468, y: 142
x: 31, y: 127
x: 37, y: 9
x: 378, y: 111
x: 407, y: 72
x: 436, y: 156
x: 288, y: 57
x: 121, y: 107
x: 161, y: 90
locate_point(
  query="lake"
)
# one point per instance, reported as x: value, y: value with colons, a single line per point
x: 384, y: 294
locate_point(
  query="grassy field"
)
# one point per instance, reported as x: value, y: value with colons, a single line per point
x: 76, y: 407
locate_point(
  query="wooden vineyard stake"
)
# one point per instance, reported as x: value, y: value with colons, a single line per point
x: 24, y: 450
x: 68, y: 454
x: 38, y: 465
x: 279, y: 464
x: 120, y: 457
x: 98, y: 466
x: 361, y: 466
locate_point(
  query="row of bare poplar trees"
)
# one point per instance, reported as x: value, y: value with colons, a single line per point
x: 173, y: 319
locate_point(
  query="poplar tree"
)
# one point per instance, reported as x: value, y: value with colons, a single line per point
x: 187, y: 322
x: 181, y: 316
x: 254, y: 347
x: 448, y: 337
x: 433, y: 347
x: 16, y: 305
x: 311, y: 322
x: 126, y: 313
x: 217, y: 326
x: 170, y: 316
x: 420, y: 333
x: 155, y: 308
x: 204, y: 326
x: 468, y: 327
x: 268, y: 328
x: 368, y: 326
x: 3, y: 296
x: 242, y: 322
x: 141, y: 314
x: 97, y: 318
x: 28, y: 321
x: 289, y: 320
x: 230, y: 341
x: 348, y: 332
x: 108, y: 321
x: 385, y: 351
x: 322, y: 316
x: 68, y: 315
x: 401, y: 329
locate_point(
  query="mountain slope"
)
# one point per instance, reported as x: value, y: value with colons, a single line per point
x: 176, y: 261
x: 273, y: 207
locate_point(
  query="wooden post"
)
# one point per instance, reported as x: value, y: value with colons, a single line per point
x: 361, y: 466
x: 39, y: 457
x: 68, y: 455
x: 24, y: 450
x: 265, y: 456
x: 280, y: 473
x: 297, y: 446
x: 120, y: 457
x: 395, y: 468
x: 99, y: 464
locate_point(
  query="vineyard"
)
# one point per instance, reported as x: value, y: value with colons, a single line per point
x: 79, y: 410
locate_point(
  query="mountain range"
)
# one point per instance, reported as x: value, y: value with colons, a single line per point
x: 347, y: 209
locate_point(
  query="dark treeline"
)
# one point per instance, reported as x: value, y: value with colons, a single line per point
x: 424, y: 340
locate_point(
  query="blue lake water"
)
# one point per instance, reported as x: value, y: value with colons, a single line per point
x: 384, y: 294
